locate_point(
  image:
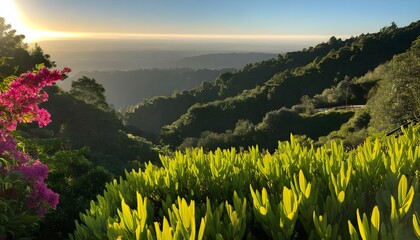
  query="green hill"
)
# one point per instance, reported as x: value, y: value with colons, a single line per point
x: 257, y: 89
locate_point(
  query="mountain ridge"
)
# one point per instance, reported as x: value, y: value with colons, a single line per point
x: 223, y: 60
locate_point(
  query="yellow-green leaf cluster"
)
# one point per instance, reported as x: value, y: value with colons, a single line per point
x: 296, y: 192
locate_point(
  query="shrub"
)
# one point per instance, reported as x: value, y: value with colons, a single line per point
x: 23, y: 193
x: 297, y: 192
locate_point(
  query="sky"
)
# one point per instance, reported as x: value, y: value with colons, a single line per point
x: 255, y: 21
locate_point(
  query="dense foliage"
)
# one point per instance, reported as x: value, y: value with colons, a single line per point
x: 297, y: 192
x: 23, y: 191
x: 398, y: 96
x: 151, y: 115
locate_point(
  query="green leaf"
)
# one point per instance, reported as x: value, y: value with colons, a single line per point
x: 262, y: 210
x: 341, y: 196
x: 394, y: 215
x: 353, y: 232
x: 416, y: 225
x: 363, y: 226
x: 127, y: 216
x: 375, y: 219
x: 402, y: 189
x: 202, y: 229
x: 302, y: 181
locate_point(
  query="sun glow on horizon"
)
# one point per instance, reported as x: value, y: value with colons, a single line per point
x: 51, y: 35
x: 13, y: 16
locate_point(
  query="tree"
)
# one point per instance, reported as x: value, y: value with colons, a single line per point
x: 390, y: 28
x: 398, y: 98
x: 15, y: 54
x: 89, y: 91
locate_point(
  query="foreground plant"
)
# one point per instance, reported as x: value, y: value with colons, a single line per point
x: 298, y: 192
x: 23, y: 194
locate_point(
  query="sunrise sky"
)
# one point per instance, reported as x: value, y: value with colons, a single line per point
x: 196, y: 19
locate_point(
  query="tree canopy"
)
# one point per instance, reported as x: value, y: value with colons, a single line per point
x: 397, y: 99
x: 15, y: 55
x: 89, y: 91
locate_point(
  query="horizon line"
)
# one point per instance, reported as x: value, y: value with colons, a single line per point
x: 38, y: 35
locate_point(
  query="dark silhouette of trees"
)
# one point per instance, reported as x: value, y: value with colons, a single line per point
x: 15, y: 53
x: 89, y: 91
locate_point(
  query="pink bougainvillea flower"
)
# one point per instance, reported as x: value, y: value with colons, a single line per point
x: 19, y: 104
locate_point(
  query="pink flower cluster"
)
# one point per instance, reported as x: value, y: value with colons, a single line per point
x: 19, y: 104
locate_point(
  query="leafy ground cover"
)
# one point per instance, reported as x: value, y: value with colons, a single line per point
x: 295, y: 193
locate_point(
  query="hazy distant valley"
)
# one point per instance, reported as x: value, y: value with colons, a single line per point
x: 137, y: 75
x: 125, y: 88
x: 132, y: 60
x: 139, y: 69
x: 116, y: 54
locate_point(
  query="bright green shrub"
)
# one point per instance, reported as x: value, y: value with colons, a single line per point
x: 295, y: 193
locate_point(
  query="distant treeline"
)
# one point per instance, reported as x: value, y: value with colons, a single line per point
x: 125, y: 88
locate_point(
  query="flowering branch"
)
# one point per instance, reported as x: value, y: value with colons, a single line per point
x: 19, y: 104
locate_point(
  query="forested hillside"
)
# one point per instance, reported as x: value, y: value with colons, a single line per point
x: 222, y: 60
x: 258, y: 94
x: 125, y: 88
x: 151, y: 115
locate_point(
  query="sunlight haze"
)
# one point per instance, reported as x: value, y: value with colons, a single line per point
x: 80, y: 33
x: 215, y: 20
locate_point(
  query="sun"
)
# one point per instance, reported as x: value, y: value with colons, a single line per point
x: 12, y: 16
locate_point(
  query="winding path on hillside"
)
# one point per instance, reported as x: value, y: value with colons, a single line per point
x: 345, y: 107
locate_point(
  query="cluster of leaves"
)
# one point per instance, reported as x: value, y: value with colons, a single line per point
x: 297, y: 192
x: 71, y: 174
